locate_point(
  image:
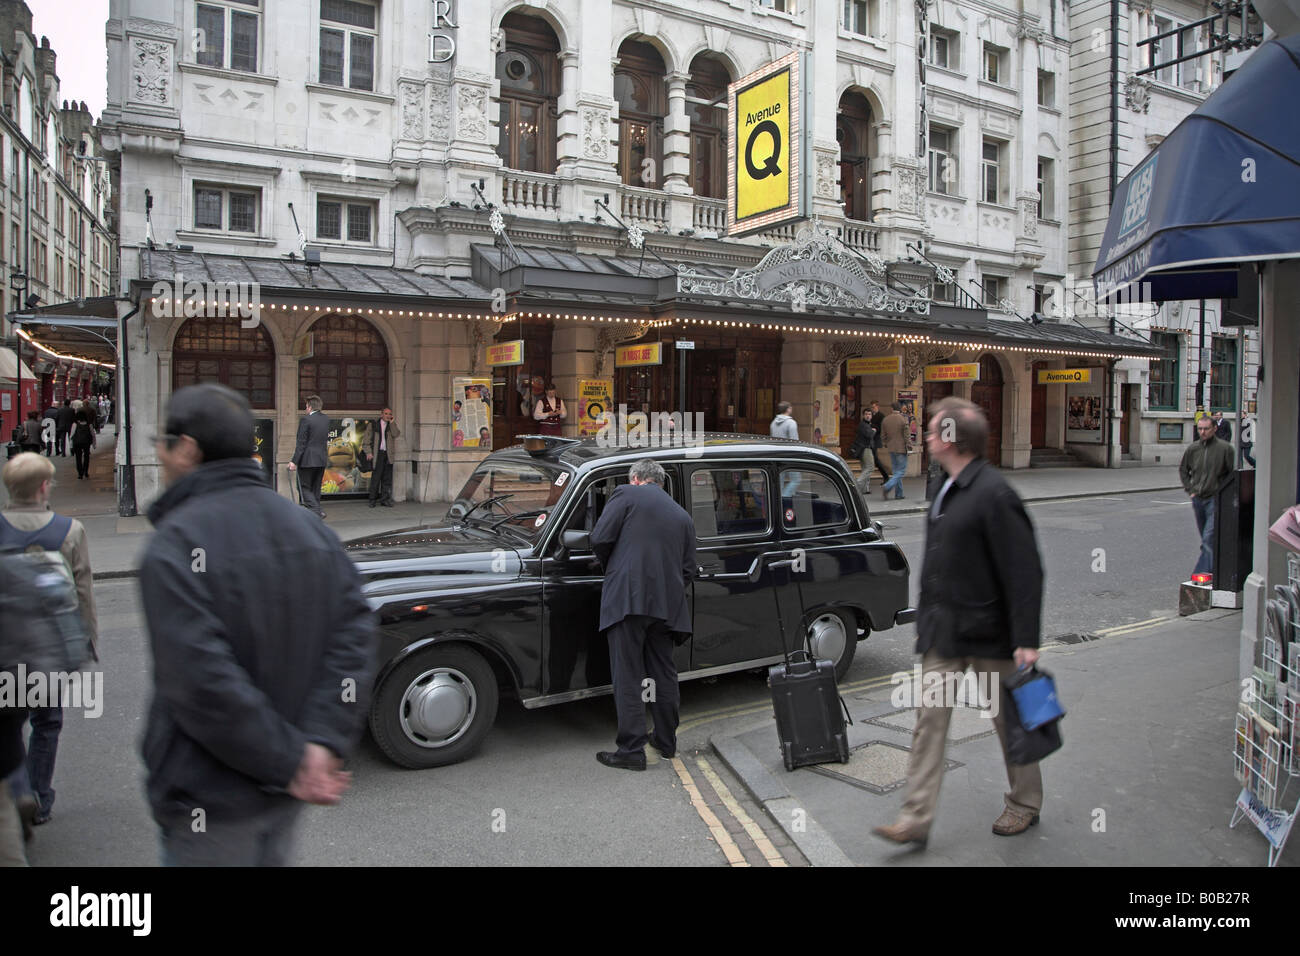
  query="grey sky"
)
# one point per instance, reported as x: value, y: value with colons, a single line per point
x: 76, y: 31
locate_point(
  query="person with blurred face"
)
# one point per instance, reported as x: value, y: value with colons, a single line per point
x: 380, y: 447
x: 1206, y: 465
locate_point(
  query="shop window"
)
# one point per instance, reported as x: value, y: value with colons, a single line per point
x: 1223, y: 374
x: 221, y: 350
x: 642, y: 104
x: 1162, y: 388
x: 729, y: 502
x: 528, y: 69
x: 811, y: 499
x: 349, y: 365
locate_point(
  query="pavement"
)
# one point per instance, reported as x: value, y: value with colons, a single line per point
x: 117, y: 544
x: 1144, y: 777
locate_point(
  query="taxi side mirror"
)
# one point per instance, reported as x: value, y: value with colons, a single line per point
x: 576, y: 541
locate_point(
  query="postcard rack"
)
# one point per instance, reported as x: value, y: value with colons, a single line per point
x: 1266, y: 754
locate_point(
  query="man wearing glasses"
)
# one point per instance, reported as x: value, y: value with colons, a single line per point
x: 263, y: 646
x: 1206, y: 465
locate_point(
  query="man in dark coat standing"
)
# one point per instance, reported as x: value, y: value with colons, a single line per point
x: 63, y: 422
x: 381, y: 448
x: 646, y: 543
x: 263, y: 646
x: 980, y: 608
x: 309, y: 455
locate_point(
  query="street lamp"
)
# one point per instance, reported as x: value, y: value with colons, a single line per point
x: 17, y: 283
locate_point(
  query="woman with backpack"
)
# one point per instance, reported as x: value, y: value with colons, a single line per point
x: 83, y: 439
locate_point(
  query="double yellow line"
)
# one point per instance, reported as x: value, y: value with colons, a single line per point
x: 1132, y: 628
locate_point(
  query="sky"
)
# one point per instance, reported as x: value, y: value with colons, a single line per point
x: 76, y: 31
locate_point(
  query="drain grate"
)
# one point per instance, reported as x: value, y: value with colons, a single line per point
x: 878, y: 766
x: 1071, y: 638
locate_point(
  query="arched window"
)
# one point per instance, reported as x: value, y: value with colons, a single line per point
x: 853, y: 131
x: 349, y: 365
x: 706, y: 102
x: 642, y: 104
x: 221, y: 350
x: 528, y: 68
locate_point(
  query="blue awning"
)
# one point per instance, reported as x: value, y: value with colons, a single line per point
x: 1222, y: 189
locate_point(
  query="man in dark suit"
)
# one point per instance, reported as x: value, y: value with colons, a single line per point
x: 980, y: 608
x: 380, y: 448
x: 63, y: 422
x: 646, y: 543
x: 309, y: 457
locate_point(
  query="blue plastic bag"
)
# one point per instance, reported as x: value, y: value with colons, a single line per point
x: 1035, y: 695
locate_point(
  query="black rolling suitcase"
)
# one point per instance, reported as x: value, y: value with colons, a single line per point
x: 810, y: 715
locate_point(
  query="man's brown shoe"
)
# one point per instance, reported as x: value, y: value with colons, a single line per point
x: 1011, y: 823
x: 901, y: 833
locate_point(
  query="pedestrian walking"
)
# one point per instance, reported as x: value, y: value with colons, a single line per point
x: 896, y: 441
x: 30, y: 524
x: 550, y: 412
x: 29, y: 438
x: 861, y: 449
x: 64, y: 419
x: 49, y: 429
x: 380, y: 447
x: 1207, y: 463
x: 783, y: 425
x: 877, y: 423
x: 980, y: 608
x: 645, y: 541
x: 309, y: 454
x: 1222, y: 427
x: 83, y: 440
x: 263, y: 646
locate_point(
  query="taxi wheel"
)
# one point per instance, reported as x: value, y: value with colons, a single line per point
x: 833, y: 636
x: 435, y: 708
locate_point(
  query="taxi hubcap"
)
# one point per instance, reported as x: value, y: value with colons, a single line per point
x: 438, y: 707
x: 826, y: 638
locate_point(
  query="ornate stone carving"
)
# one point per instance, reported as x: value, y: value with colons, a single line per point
x: 471, y: 114
x: 1141, y: 6
x: 1029, y: 218
x: 813, y: 270
x: 837, y: 352
x: 917, y: 357
x: 151, y: 71
x: 1024, y: 29
x: 595, y: 133
x: 909, y: 183
x: 440, y: 110
x: 412, y: 110
x: 1137, y: 93
x: 825, y: 177
x: 612, y: 336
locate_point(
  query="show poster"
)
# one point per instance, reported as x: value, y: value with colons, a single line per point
x: 471, y: 413
x: 826, y: 417
x: 595, y: 397
x: 1083, y: 413
x: 907, y: 398
x: 347, y: 472
x: 264, y: 447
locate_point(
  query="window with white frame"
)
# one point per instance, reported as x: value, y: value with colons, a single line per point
x: 1046, y: 188
x: 855, y: 16
x: 993, y: 184
x: 995, y: 288
x: 945, y: 48
x: 784, y: 6
x: 226, y: 209
x: 994, y: 68
x: 943, y: 160
x: 1047, y: 89
x: 1177, y: 74
x: 226, y: 34
x: 945, y: 293
x: 348, y: 39
x: 345, y: 220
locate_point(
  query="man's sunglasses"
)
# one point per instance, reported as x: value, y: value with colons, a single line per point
x: 169, y: 440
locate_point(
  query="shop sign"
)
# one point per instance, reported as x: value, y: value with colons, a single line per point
x: 965, y: 372
x: 506, y: 353
x: 766, y: 146
x: 632, y: 355
x: 1063, y: 376
x: 876, y: 365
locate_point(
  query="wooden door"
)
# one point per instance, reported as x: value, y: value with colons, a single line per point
x: 987, y: 393
x: 1038, y: 411
x: 931, y: 393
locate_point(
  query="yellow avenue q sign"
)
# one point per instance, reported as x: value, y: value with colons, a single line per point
x: 764, y: 146
x: 1062, y: 376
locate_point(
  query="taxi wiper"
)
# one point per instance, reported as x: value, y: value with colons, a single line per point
x: 485, y: 501
x: 518, y: 514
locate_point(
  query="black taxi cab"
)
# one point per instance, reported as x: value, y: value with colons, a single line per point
x: 504, y: 596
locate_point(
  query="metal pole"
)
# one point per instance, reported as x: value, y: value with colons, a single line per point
x: 1202, y: 375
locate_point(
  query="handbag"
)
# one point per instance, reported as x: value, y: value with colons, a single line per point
x: 1035, y: 695
x: 1027, y: 746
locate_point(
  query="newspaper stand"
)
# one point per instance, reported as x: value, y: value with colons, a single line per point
x: 1266, y: 756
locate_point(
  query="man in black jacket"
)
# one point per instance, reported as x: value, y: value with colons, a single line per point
x: 646, y: 543
x: 309, y: 454
x: 877, y: 442
x: 63, y: 422
x: 980, y: 608
x: 263, y: 646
